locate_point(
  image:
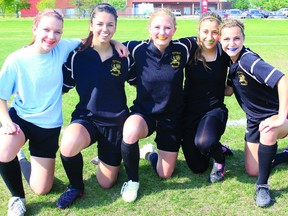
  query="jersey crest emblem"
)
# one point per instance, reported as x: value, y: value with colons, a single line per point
x: 175, y: 59
x: 115, y: 68
x: 242, y: 79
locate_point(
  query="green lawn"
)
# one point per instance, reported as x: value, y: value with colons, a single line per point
x: 186, y: 193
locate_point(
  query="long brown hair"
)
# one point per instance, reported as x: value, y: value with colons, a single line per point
x: 43, y: 13
x: 98, y: 8
x: 212, y: 16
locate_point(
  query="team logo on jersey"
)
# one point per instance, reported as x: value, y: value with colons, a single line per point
x: 115, y: 68
x: 175, y: 59
x: 242, y: 79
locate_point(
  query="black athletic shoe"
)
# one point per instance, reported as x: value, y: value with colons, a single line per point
x: 263, y: 197
x: 217, y: 173
x: 68, y: 197
x: 227, y: 151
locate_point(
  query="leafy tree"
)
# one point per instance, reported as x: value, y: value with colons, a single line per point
x: 256, y: 3
x: 4, y: 5
x: 13, y: 6
x: 241, y: 4
x: 46, y: 4
x: 265, y: 4
x: 84, y: 5
x: 20, y: 4
x: 270, y: 4
x: 118, y: 4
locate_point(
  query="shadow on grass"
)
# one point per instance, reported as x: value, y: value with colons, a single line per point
x: 150, y: 184
x: 34, y: 208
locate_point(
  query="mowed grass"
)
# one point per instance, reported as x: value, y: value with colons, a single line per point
x: 186, y: 193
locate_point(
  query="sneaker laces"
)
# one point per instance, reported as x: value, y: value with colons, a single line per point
x: 123, y: 187
x: 17, y: 205
x: 128, y: 186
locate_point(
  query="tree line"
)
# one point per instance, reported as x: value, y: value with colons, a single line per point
x: 8, y: 7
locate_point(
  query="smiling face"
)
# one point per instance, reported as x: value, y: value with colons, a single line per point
x: 47, y: 34
x: 103, y: 27
x: 162, y: 29
x: 232, y: 40
x: 208, y: 34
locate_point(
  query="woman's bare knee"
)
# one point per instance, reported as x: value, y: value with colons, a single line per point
x: 134, y: 129
x: 165, y: 175
x: 106, y: 175
x: 251, y: 171
x: 106, y: 184
x: 41, y: 190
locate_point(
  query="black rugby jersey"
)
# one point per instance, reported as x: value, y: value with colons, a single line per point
x: 204, y: 87
x: 255, y: 85
x: 159, y: 77
x: 100, y: 85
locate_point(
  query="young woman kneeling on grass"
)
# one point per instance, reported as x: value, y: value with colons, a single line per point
x: 33, y: 73
x: 262, y: 92
x: 99, y: 75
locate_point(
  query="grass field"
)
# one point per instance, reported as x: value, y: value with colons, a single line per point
x: 186, y: 193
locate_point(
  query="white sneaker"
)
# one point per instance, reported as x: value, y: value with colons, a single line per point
x: 21, y: 155
x: 145, y: 149
x: 16, y: 206
x: 129, y: 191
x: 95, y: 160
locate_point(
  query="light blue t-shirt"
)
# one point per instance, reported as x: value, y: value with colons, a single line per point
x: 36, y: 80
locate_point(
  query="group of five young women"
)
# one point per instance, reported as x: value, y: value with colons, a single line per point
x: 156, y: 67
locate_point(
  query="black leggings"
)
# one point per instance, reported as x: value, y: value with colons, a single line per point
x: 201, y: 142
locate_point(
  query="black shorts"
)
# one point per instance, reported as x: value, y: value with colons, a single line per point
x: 109, y: 140
x: 168, y: 130
x: 252, y: 133
x: 43, y: 142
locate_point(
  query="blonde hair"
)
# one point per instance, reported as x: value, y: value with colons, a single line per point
x: 163, y: 11
x: 43, y: 13
x: 228, y: 23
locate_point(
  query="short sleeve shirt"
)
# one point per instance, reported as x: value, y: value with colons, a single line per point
x: 255, y: 85
x: 159, y: 77
x: 36, y: 80
x: 100, y: 85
